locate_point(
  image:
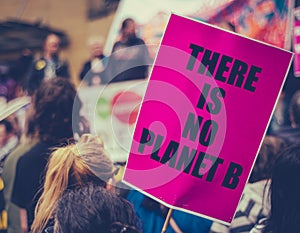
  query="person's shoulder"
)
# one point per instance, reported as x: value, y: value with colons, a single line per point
x: 18, y: 152
x: 39, y: 64
x: 62, y: 63
x: 87, y: 63
x: 140, y: 41
x: 118, y: 43
x: 38, y: 149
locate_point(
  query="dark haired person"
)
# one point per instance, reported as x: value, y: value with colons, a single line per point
x: 254, y: 204
x: 291, y: 133
x: 93, y: 209
x: 284, y: 194
x: 130, y: 56
x: 52, y: 116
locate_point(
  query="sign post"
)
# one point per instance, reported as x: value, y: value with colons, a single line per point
x: 209, y: 100
x: 167, y: 221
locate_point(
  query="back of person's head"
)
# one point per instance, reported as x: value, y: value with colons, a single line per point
x: 71, y: 167
x: 285, y: 193
x: 53, y: 109
x: 294, y: 110
x: 92, y: 209
x: 268, y: 153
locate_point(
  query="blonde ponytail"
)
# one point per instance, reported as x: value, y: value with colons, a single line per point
x: 71, y: 166
x: 56, y: 180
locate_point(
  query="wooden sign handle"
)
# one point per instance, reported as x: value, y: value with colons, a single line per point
x: 167, y: 221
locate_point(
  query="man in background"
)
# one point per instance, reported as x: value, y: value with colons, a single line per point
x: 48, y: 66
x: 92, y: 71
x: 130, y: 56
x: 291, y: 133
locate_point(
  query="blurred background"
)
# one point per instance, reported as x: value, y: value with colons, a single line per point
x: 82, y: 24
x: 24, y: 23
x: 86, y: 35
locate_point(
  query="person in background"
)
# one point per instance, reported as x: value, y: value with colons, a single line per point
x: 92, y: 209
x: 48, y: 66
x: 8, y: 85
x: 291, y: 133
x: 283, y: 194
x: 269, y: 151
x: 52, y: 115
x: 3, y: 213
x: 153, y: 215
x: 281, y: 119
x: 71, y: 167
x: 92, y: 71
x: 20, y: 69
x: 8, y: 140
x: 130, y: 56
x: 29, y: 140
x: 254, y: 204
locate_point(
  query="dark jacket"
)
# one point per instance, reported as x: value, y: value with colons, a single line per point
x: 37, y: 72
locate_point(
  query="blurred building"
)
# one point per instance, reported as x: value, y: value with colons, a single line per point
x: 73, y: 18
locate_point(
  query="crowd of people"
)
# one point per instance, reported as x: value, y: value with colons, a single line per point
x: 129, y: 60
x: 55, y: 176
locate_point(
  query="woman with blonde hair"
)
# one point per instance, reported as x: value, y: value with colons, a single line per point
x: 71, y: 167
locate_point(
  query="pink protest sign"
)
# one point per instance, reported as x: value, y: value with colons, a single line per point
x: 205, y: 111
